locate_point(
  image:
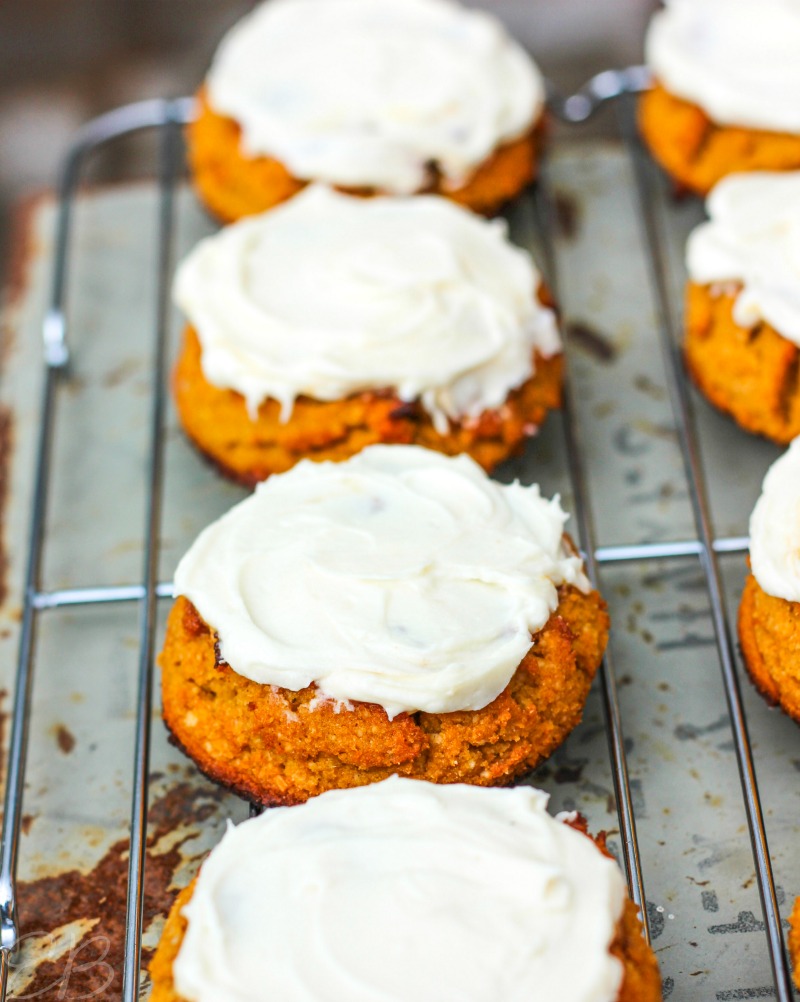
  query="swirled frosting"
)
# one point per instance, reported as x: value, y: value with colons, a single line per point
x: 371, y: 92
x: 330, y: 295
x: 753, y: 239
x: 404, y: 891
x: 736, y: 59
x: 400, y: 577
x: 775, y: 528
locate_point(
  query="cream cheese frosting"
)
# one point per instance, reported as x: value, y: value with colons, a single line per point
x: 404, y: 891
x: 753, y: 239
x: 368, y: 93
x: 329, y: 295
x: 400, y: 577
x: 775, y: 528
x: 736, y: 59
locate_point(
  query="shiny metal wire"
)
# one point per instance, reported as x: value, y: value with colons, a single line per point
x: 168, y: 116
x: 698, y: 494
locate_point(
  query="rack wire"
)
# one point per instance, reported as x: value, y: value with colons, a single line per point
x: 167, y: 117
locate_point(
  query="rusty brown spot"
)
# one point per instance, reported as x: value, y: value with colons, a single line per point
x: 20, y: 248
x: 120, y: 373
x: 91, y: 966
x: 568, y: 214
x: 591, y: 341
x: 27, y: 823
x: 6, y: 447
x: 65, y: 739
x: 3, y: 723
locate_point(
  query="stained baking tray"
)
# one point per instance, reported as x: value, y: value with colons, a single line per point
x: 100, y: 481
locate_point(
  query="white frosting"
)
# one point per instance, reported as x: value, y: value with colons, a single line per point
x: 330, y: 295
x: 775, y: 528
x: 404, y: 891
x: 370, y: 92
x: 400, y: 577
x: 753, y: 239
x: 736, y: 59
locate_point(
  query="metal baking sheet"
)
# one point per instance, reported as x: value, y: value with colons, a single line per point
x: 703, y: 904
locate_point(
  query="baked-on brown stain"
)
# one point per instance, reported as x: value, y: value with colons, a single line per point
x: 92, y: 965
x: 591, y: 341
x: 65, y: 739
x: 568, y: 214
x: 17, y: 251
x: 6, y: 448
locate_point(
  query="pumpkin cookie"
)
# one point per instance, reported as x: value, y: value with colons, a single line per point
x: 395, y: 613
x: 332, y: 323
x: 726, y: 79
x: 391, y: 97
x: 392, y: 892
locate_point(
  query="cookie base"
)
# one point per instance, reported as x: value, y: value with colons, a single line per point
x: 233, y: 185
x: 247, y: 450
x: 769, y: 634
x: 752, y: 375
x: 274, y: 746
x: 697, y: 152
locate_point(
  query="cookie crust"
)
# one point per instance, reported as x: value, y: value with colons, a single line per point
x: 275, y: 746
x: 232, y: 185
x: 769, y: 634
x: 752, y: 375
x: 697, y: 152
x: 794, y: 941
x: 218, y: 424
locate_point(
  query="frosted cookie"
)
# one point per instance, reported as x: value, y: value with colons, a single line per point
x: 333, y: 322
x: 399, y: 612
x: 407, y: 892
x: 794, y: 941
x: 743, y: 303
x: 372, y: 96
x: 727, y: 80
x: 769, y: 614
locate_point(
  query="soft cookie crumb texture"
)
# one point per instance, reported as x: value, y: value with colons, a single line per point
x: 769, y: 633
x: 275, y: 746
x: 752, y: 374
x: 698, y: 152
x: 217, y: 422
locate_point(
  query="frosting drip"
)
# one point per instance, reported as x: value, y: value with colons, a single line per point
x: 367, y: 93
x: 404, y: 891
x: 330, y: 295
x: 753, y: 239
x: 775, y: 528
x: 400, y: 577
x: 736, y: 59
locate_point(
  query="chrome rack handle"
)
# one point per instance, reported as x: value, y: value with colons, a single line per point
x: 606, y: 86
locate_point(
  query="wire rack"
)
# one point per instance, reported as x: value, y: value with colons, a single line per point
x: 167, y: 119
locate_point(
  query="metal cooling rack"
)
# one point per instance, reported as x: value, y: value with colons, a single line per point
x: 702, y: 547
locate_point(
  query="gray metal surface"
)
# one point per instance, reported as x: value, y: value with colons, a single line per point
x: 697, y: 865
